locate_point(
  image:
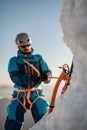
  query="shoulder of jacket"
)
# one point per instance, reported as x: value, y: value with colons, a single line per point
x: 38, y: 56
x: 13, y: 58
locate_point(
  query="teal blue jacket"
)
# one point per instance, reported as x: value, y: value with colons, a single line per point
x: 21, y: 73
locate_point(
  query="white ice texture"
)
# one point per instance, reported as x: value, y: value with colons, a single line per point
x: 70, y: 111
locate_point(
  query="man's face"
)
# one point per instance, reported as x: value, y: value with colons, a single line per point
x: 26, y: 49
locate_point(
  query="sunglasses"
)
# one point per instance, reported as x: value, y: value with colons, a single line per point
x: 24, y: 46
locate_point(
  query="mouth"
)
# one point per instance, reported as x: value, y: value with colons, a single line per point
x: 26, y: 50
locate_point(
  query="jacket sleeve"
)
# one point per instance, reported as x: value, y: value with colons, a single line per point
x: 16, y: 77
x: 45, y: 69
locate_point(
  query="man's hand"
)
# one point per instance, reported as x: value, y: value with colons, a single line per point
x: 44, y: 77
x: 35, y: 78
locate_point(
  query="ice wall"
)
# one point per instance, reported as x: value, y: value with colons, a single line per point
x: 70, y: 111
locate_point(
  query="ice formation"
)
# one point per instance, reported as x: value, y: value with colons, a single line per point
x: 70, y: 111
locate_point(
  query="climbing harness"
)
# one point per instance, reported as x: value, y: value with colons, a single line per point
x: 27, y: 97
x: 65, y: 76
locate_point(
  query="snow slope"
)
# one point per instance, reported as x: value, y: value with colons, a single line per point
x: 70, y: 111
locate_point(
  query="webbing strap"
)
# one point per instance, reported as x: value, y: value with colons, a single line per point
x: 27, y: 97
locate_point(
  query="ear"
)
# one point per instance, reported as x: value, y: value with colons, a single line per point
x: 18, y: 47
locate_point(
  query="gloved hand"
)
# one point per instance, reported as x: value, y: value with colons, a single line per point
x: 35, y: 78
x: 44, y: 77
